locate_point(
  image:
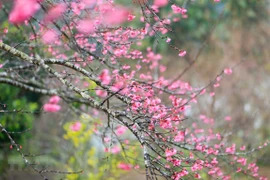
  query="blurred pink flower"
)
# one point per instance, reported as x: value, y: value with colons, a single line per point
x: 49, y: 36
x: 230, y: 150
x: 228, y: 71
x: 54, y: 100
x: 52, y: 107
x: 116, y: 150
x: 182, y: 53
x: 76, y: 126
x: 120, y: 130
x: 55, y: 12
x: 170, y: 152
x: 131, y: 17
x: 125, y: 166
x: 86, y: 26
x: 115, y: 16
x: 228, y: 118
x: 104, y: 77
x: 160, y: 3
x: 23, y: 10
x: 101, y: 93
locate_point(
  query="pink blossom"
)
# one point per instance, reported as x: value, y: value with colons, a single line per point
x: 214, y: 161
x: 160, y: 3
x: 167, y: 166
x: 182, y: 53
x: 176, y: 9
x: 228, y: 118
x: 101, y: 93
x: 116, y: 16
x: 76, y: 126
x: 170, y: 152
x: 197, y: 176
x: 242, y: 148
x: 230, y: 150
x: 54, y: 100
x: 166, y: 124
x: 23, y: 10
x: 117, y: 86
x: 126, y: 67
x: 176, y: 162
x: 116, y: 150
x: 104, y: 77
x: 130, y: 17
x: 77, y: 7
x: 228, y: 71
x: 52, y: 107
x: 1, y: 65
x: 180, y: 136
x: 178, y: 175
x: 49, y: 36
x: 183, y: 11
x: 212, y: 172
x: 86, y: 26
x: 55, y: 12
x: 162, y: 68
x: 138, y: 66
x: 124, y: 166
x: 242, y: 160
x: 203, y: 91
x: 5, y: 30
x: 120, y: 130
x: 107, y: 139
x: 196, y: 167
x: 216, y: 85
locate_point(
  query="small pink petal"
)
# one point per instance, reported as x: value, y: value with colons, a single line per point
x: 182, y: 53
